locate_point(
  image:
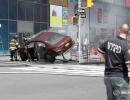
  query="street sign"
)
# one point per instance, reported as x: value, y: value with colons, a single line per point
x: 83, y: 15
x: 81, y: 10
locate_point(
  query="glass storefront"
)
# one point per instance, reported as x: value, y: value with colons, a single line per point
x: 14, y: 11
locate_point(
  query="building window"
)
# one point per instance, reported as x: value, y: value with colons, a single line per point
x: 12, y: 27
x: 21, y: 10
x: 43, y: 26
x: 43, y: 13
x: 29, y: 12
x: 37, y: 12
x: 4, y: 33
x: 36, y: 27
x: 3, y: 9
x: 13, y: 9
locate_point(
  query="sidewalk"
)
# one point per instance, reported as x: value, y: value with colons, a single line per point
x: 5, y: 62
x: 4, y: 58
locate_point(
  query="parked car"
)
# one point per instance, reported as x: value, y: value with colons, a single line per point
x: 45, y: 45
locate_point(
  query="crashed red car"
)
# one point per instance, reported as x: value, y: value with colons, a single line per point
x: 45, y: 45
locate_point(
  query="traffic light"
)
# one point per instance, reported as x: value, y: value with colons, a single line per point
x: 75, y: 20
x: 89, y: 3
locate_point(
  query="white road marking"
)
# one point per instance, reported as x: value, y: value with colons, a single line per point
x: 85, y: 70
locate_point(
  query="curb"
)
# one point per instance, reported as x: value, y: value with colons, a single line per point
x: 13, y: 64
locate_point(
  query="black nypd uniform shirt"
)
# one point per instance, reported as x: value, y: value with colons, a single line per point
x: 117, y: 52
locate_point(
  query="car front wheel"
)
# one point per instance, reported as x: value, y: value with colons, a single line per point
x: 49, y: 57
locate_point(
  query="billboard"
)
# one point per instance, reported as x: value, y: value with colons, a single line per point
x: 55, y: 16
x: 65, y: 16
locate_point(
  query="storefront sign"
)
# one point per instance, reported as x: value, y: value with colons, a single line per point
x: 83, y: 15
x: 63, y: 3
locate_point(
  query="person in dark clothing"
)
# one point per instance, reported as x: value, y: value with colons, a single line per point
x: 116, y: 52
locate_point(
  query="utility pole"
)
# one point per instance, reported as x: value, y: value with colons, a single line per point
x: 79, y: 34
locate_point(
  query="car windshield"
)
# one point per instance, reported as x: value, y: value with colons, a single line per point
x: 36, y: 35
x: 55, y: 38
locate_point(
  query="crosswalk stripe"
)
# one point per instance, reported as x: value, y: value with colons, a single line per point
x: 85, y: 70
x: 63, y: 70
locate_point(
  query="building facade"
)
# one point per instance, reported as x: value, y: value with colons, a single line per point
x: 21, y: 16
x: 32, y: 16
x: 101, y: 23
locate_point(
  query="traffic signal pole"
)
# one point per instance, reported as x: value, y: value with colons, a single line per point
x: 81, y: 12
x: 79, y: 34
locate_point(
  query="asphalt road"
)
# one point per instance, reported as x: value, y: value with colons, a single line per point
x: 50, y: 87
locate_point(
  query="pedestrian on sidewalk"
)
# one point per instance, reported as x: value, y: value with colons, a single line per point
x: 116, y: 52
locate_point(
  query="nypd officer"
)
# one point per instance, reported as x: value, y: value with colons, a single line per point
x: 13, y: 46
x: 116, y: 52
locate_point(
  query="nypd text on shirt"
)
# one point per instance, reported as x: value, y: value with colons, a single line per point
x: 114, y: 47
